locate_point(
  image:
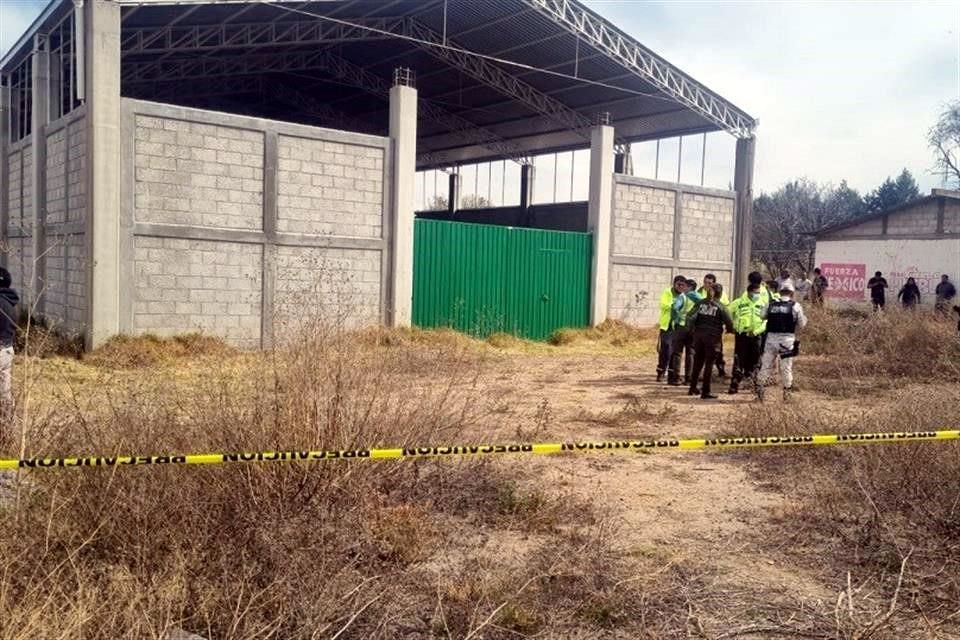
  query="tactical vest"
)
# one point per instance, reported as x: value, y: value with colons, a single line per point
x: 780, y: 317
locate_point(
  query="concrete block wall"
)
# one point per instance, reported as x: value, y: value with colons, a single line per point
x: 706, y: 228
x: 661, y: 229
x: 341, y: 286
x: 635, y: 292
x: 243, y: 227
x: 77, y: 170
x: 329, y: 188
x: 19, y: 219
x: 869, y: 228
x: 65, y: 282
x: 643, y: 224
x: 914, y: 221
x: 197, y: 285
x: 197, y: 174
x: 951, y: 218
x: 64, y: 268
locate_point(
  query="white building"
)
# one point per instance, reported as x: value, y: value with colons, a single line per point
x: 920, y: 239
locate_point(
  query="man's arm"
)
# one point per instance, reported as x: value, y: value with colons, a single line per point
x: 799, y: 316
x: 727, y: 319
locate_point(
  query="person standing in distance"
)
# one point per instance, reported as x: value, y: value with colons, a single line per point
x: 945, y: 293
x: 666, y: 323
x: 706, y: 321
x: 8, y: 334
x: 819, y: 287
x: 878, y: 294
x: 909, y: 295
x: 785, y: 318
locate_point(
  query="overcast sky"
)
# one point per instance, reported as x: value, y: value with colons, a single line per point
x: 843, y: 90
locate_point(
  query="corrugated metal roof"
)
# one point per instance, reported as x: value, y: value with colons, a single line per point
x: 509, y: 29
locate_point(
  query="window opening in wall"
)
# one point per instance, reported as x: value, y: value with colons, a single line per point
x: 482, y: 185
x: 705, y: 160
x: 20, y: 114
x: 63, y: 87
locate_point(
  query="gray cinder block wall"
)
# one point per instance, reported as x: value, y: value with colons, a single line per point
x: 661, y: 229
x: 241, y: 227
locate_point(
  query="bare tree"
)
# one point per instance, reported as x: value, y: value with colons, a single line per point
x: 784, y: 222
x: 944, y: 138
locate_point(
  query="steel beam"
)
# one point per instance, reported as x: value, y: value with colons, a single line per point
x: 205, y: 87
x: 228, y: 36
x: 645, y: 64
x: 496, y: 78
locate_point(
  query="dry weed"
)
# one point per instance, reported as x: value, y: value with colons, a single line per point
x: 136, y: 352
x: 863, y: 510
x: 613, y: 333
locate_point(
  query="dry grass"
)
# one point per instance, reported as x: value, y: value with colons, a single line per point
x: 859, y: 349
x: 611, y: 333
x: 136, y: 352
x: 348, y: 550
x: 882, y: 520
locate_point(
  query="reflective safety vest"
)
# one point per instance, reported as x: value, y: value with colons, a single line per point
x: 747, y: 315
x: 666, y: 308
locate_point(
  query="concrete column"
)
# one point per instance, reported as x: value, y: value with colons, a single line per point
x: 40, y: 116
x: 453, y: 193
x: 599, y: 218
x: 102, y: 91
x: 526, y: 194
x: 743, y: 185
x: 403, y: 137
x: 4, y: 167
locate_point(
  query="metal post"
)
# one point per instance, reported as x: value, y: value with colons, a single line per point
x: 656, y: 163
x: 743, y: 185
x: 703, y: 160
x: 679, y: 157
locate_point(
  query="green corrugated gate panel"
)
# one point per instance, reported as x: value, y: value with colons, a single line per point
x: 481, y: 279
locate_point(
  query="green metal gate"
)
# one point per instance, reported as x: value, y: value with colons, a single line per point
x: 482, y: 279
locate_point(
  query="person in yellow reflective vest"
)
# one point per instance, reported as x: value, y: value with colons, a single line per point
x: 665, y: 342
x: 749, y: 325
x: 682, y: 346
x: 710, y: 280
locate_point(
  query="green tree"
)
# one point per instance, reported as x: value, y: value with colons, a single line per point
x: 944, y: 139
x: 892, y: 193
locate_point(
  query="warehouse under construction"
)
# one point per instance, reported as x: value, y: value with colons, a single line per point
x: 236, y: 167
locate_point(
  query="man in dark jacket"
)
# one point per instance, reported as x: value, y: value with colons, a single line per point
x: 706, y: 321
x: 878, y: 294
x: 945, y: 293
x: 8, y: 333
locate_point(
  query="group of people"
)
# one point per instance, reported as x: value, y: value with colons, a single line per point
x: 909, y: 295
x: 765, y: 321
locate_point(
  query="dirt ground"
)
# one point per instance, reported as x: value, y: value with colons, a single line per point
x: 697, y: 505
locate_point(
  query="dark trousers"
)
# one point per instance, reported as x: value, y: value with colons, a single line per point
x: 718, y: 361
x: 705, y: 351
x: 746, y: 359
x: 663, y: 350
x: 878, y: 303
x: 681, y: 347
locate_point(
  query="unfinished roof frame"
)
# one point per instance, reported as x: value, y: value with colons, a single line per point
x: 242, y: 38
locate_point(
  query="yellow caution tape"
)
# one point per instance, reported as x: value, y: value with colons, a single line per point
x: 481, y: 450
